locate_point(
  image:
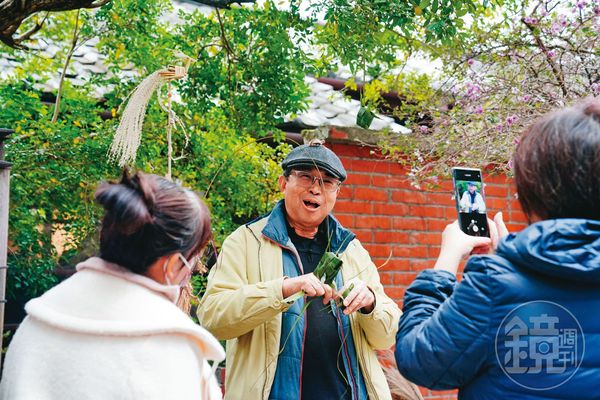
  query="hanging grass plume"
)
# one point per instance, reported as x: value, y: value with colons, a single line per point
x: 129, y: 132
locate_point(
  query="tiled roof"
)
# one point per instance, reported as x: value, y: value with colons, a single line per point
x: 327, y: 107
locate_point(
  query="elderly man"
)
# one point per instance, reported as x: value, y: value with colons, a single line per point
x: 471, y: 200
x: 278, y: 348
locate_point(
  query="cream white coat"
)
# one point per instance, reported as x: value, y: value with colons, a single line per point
x: 106, y: 333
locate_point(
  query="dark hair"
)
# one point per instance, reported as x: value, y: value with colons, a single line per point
x: 147, y: 217
x: 557, y: 164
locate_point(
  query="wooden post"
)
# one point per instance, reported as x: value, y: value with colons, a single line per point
x: 4, y: 195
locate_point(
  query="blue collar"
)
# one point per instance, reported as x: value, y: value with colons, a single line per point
x: 276, y: 230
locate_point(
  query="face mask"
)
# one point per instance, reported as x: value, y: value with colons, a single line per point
x: 183, y: 276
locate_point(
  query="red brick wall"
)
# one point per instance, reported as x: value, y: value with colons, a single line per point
x: 390, y: 216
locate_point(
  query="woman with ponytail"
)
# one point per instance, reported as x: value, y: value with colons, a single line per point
x: 113, y: 330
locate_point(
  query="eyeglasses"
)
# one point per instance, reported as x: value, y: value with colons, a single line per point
x: 307, y: 180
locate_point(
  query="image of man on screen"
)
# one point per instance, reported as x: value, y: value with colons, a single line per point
x: 471, y: 200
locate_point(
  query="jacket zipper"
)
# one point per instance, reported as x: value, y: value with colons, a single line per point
x: 299, y: 263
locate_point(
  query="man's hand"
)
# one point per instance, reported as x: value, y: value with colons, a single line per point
x: 309, y: 284
x: 360, y: 297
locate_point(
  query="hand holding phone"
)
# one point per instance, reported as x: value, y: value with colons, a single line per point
x: 470, y: 203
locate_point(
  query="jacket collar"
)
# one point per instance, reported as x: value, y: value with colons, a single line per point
x: 276, y: 230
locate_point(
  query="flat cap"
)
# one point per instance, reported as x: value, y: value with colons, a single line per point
x: 314, y: 154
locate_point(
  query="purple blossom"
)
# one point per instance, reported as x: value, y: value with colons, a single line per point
x: 424, y: 128
x: 511, y: 164
x: 556, y: 28
x: 530, y: 20
x: 511, y: 119
x: 526, y: 98
x: 562, y: 20
x: 581, y: 4
x: 470, y: 61
x: 499, y: 127
x: 478, y: 109
x: 597, y: 10
x: 551, y: 53
x: 516, y: 141
x: 596, y: 88
x: 473, y: 89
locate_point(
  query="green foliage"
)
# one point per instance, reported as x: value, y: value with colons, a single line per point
x: 52, y: 180
x: 248, y: 75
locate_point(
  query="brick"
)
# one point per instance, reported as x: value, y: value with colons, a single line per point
x: 390, y: 209
x: 397, y: 168
x: 409, y: 196
x: 515, y: 205
x: 410, y: 251
x: 440, y: 198
x: 356, y: 207
x: 390, y: 237
x: 425, y: 238
x: 357, y: 179
x: 364, y: 235
x: 419, y: 265
x: 373, y: 222
x: 346, y: 162
x: 497, y: 204
x: 414, y: 224
x: 370, y: 194
x: 354, y: 151
x: 496, y: 190
x: 392, y: 182
x: 517, y: 216
x: 346, y: 192
x: 427, y: 211
x: 514, y: 228
x: 337, y: 134
x: 393, y: 264
x: 404, y: 279
x: 386, y: 278
x: 499, y: 179
x: 437, y: 225
x: 396, y: 293
x: 434, y: 251
x: 371, y: 166
x: 378, y: 250
x: 450, y: 213
x: 346, y: 219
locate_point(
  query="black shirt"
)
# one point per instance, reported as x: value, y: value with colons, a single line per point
x: 323, y: 371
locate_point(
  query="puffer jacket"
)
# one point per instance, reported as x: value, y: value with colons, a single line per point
x: 522, y: 324
x: 243, y: 304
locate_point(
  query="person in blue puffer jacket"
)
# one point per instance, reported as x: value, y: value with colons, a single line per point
x: 522, y: 323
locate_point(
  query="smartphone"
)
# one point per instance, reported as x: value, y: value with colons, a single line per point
x: 470, y: 201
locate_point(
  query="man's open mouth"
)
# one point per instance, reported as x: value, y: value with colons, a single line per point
x: 311, y: 204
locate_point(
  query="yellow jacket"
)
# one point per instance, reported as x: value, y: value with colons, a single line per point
x: 243, y: 304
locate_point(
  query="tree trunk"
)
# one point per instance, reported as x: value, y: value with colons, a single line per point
x: 14, y: 12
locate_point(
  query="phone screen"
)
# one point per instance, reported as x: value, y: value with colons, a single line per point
x: 470, y: 201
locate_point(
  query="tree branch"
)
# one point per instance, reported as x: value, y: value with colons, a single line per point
x: 14, y: 12
x: 222, y: 3
x: 76, y: 32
